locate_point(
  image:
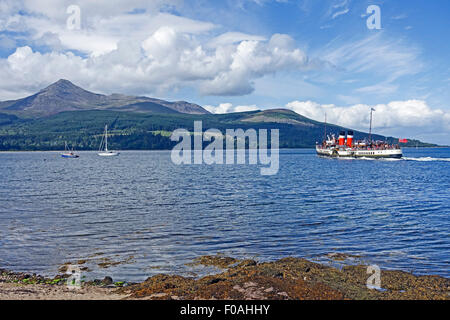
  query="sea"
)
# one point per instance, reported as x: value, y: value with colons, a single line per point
x: 137, y: 215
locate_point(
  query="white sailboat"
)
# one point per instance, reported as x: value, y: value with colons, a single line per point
x: 68, y: 153
x: 106, y: 152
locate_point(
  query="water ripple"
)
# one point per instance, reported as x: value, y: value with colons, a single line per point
x: 392, y: 213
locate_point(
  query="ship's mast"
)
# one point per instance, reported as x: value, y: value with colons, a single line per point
x: 325, y: 138
x: 370, y: 129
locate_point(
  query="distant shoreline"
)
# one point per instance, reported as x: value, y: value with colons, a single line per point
x: 136, y: 150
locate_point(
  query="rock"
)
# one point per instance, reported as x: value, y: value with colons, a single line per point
x: 247, y: 263
x: 238, y: 288
x: 290, y: 278
x: 97, y: 282
x: 63, y: 268
x: 250, y: 284
x: 216, y: 261
x: 107, y: 281
x: 23, y: 277
x: 214, y: 280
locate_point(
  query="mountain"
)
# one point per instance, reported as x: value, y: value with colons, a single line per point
x: 279, y: 116
x: 65, y: 112
x: 149, y: 131
x: 63, y: 96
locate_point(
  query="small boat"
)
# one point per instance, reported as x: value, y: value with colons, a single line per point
x: 105, y: 152
x: 67, y: 153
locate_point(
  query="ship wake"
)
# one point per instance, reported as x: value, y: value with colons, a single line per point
x: 425, y: 159
x: 421, y: 159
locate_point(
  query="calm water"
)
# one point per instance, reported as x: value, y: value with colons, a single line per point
x: 152, y: 216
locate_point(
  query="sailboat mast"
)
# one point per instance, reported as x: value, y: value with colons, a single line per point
x: 325, y: 127
x: 370, y: 129
x: 106, y: 137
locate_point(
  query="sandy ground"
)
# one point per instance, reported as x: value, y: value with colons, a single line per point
x: 17, y: 291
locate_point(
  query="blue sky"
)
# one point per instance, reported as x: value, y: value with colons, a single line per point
x: 312, y: 56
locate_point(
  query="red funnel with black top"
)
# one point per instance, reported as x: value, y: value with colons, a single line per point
x: 350, y: 139
x: 342, y: 138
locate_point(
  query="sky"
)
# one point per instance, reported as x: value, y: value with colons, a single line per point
x: 310, y: 56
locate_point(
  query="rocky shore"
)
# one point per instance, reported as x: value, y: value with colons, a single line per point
x: 285, y: 279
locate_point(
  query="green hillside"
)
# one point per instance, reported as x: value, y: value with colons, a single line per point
x: 138, y: 131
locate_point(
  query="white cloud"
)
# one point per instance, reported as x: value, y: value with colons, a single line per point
x: 254, y: 59
x: 28, y: 71
x: 56, y: 9
x: 102, y: 34
x: 136, y: 51
x: 411, y: 117
x: 339, y: 13
x: 376, y: 54
x: 168, y: 58
x: 232, y: 38
x: 241, y: 3
x: 400, y: 16
x: 380, y: 59
x: 385, y: 88
x: 338, y: 9
x: 228, y: 108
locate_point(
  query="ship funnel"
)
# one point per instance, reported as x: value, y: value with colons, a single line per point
x: 350, y: 139
x: 342, y: 138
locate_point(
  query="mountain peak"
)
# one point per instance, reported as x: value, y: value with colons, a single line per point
x: 61, y: 84
x: 63, y: 95
x: 60, y: 81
